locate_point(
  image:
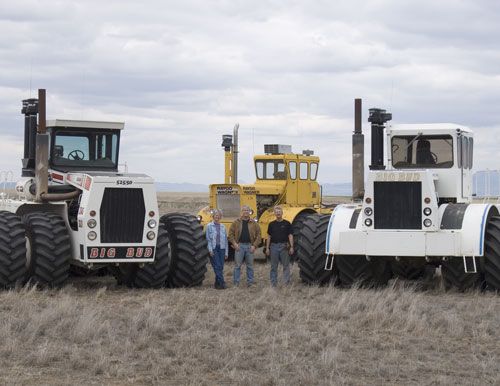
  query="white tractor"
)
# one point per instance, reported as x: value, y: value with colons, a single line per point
x: 73, y: 207
x: 416, y: 213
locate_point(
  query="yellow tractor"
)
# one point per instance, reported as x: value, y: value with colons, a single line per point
x: 282, y: 178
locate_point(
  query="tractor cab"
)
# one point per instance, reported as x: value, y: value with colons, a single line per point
x: 445, y: 150
x: 83, y: 145
x: 280, y: 172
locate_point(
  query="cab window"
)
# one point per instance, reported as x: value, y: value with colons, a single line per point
x: 314, y: 170
x: 292, y: 167
x: 303, y: 171
x: 422, y: 151
x: 82, y: 150
x: 270, y: 170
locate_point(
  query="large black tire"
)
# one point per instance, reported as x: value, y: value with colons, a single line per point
x: 189, y: 250
x: 49, y: 249
x: 12, y: 250
x: 311, y: 246
x: 407, y: 271
x: 151, y: 275
x: 354, y: 269
x: 297, y: 225
x: 454, y: 276
x: 492, y: 254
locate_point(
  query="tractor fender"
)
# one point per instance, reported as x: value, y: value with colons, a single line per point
x: 343, y: 218
x: 289, y: 214
x: 470, y: 220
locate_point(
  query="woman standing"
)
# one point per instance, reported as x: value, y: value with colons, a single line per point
x: 217, y: 247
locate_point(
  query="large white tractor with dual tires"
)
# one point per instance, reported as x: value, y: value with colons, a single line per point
x: 416, y: 214
x: 72, y: 207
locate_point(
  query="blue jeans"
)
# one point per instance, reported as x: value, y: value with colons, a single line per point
x: 240, y: 256
x: 279, y: 254
x: 217, y: 261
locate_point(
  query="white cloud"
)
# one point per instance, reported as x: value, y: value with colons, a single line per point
x: 182, y: 74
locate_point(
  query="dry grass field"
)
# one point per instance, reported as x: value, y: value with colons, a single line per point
x: 95, y: 332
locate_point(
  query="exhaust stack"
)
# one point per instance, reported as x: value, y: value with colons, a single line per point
x: 235, y: 154
x: 358, y: 154
x: 30, y: 112
x: 42, y: 151
x: 231, y: 156
x: 378, y: 118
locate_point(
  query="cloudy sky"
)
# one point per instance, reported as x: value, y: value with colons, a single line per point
x: 181, y: 74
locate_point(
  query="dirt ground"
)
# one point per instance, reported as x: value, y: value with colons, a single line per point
x: 94, y: 332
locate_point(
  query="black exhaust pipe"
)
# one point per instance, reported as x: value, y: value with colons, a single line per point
x: 378, y: 118
x: 30, y: 111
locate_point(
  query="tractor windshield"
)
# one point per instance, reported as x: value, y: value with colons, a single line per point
x: 270, y: 170
x: 422, y: 151
x: 96, y: 150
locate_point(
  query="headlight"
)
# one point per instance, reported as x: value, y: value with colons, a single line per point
x: 152, y: 223
x: 368, y: 211
x: 92, y: 235
x: 151, y: 235
x: 368, y: 222
x: 427, y: 222
x: 199, y: 218
x: 427, y: 211
x: 92, y: 223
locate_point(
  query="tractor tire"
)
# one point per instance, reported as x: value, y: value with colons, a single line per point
x: 12, y: 250
x: 49, y: 249
x: 297, y: 225
x: 354, y: 269
x: 491, y: 267
x: 151, y: 275
x: 407, y: 271
x: 311, y: 251
x: 189, y: 250
x: 454, y: 276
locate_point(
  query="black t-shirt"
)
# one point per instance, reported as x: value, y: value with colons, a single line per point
x: 245, y: 234
x: 279, y: 231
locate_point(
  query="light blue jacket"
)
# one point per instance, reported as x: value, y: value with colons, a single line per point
x: 212, y: 237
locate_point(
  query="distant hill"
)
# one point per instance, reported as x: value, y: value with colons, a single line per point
x: 180, y: 187
x: 340, y: 189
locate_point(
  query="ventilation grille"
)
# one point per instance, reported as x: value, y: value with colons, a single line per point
x: 122, y: 215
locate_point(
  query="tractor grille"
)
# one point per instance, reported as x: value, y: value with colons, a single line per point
x: 229, y: 204
x: 122, y: 215
x: 398, y: 205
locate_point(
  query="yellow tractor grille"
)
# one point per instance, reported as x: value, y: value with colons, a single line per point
x: 229, y: 204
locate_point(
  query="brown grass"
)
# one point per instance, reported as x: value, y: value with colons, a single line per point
x: 94, y: 332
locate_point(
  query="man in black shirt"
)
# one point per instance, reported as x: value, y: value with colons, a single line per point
x: 279, y: 245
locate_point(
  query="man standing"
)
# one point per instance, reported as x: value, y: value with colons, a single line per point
x: 244, y: 236
x: 279, y: 245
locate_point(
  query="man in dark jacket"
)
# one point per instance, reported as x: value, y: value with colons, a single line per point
x: 279, y: 245
x: 244, y: 236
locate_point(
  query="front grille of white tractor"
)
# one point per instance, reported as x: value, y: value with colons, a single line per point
x: 122, y: 215
x: 397, y: 205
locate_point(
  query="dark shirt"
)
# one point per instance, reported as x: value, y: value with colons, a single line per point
x: 279, y: 231
x: 245, y: 234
